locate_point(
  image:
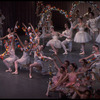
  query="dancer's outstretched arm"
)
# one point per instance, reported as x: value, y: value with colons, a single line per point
x: 3, y: 37
x: 58, y: 59
x: 87, y: 57
x: 76, y: 91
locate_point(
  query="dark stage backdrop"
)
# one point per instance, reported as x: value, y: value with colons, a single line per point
x: 24, y: 11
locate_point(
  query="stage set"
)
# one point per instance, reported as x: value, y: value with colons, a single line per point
x: 49, y: 49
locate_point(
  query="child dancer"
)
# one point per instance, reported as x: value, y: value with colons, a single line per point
x: 70, y: 78
x: 58, y: 77
x: 81, y: 36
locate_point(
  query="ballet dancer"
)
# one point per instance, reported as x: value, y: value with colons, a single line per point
x: 81, y: 36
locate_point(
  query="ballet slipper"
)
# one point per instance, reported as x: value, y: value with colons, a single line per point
x: 30, y: 76
x: 47, y: 94
x: 15, y: 73
x: 8, y: 70
x: 65, y: 53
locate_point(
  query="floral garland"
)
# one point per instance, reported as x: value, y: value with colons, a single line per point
x: 6, y: 52
x: 48, y: 9
x: 31, y: 36
x: 76, y: 3
x: 91, y: 60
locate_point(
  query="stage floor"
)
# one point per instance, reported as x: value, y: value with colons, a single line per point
x: 20, y: 86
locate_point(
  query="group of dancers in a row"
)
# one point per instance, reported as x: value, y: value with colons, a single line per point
x: 74, y: 81
x: 66, y: 78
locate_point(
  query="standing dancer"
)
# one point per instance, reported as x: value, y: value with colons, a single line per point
x: 81, y: 36
x: 68, y: 34
x: 92, y: 23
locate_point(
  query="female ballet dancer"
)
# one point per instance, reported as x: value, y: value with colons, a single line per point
x: 11, y: 45
x: 96, y: 66
x: 81, y: 36
x: 38, y: 62
x: 92, y: 23
x: 70, y: 78
x: 58, y: 77
x: 84, y: 65
x: 25, y: 59
x: 68, y: 34
x: 55, y: 43
x: 34, y: 37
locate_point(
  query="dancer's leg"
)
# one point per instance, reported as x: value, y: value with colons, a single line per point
x: 83, y: 49
x: 55, y: 51
x: 7, y: 64
x: 16, y: 68
x: 64, y: 47
x: 34, y: 65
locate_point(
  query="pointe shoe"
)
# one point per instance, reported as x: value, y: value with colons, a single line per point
x: 15, y: 73
x: 82, y: 53
x: 65, y: 53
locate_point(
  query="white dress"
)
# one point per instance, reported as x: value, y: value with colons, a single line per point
x: 98, y: 38
x: 82, y: 36
x: 25, y: 59
x: 96, y: 65
x: 12, y: 57
x: 11, y: 39
x: 55, y: 42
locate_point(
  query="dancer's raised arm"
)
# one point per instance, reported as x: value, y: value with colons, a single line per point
x: 24, y: 25
x: 20, y: 40
x: 32, y: 28
x: 15, y: 25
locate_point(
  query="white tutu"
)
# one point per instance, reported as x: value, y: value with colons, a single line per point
x: 12, y: 58
x: 82, y: 37
x: 55, y: 42
x: 25, y: 59
x: 98, y: 39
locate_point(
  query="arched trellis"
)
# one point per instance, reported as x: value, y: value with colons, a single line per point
x: 47, y: 9
x: 76, y: 3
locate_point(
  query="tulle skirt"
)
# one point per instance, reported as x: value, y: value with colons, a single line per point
x: 55, y: 42
x: 98, y: 39
x: 82, y: 37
